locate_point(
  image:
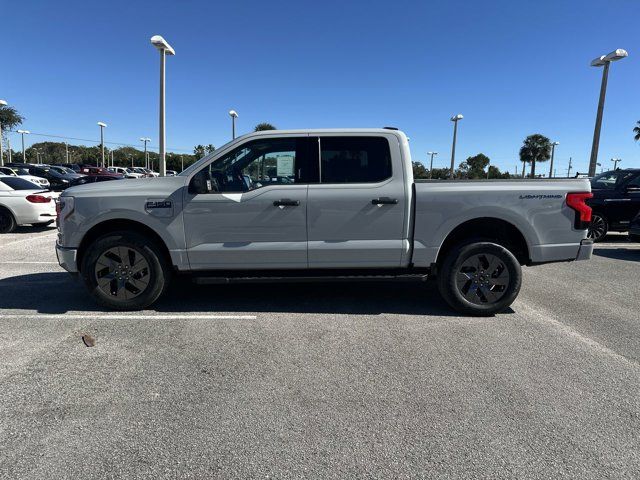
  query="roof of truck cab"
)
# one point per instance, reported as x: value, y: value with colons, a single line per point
x: 323, y: 130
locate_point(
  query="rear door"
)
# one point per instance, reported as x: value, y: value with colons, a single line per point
x: 356, y: 212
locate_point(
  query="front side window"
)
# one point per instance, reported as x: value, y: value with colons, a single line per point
x: 257, y: 164
x: 354, y: 159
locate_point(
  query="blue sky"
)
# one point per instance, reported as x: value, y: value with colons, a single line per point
x: 512, y: 68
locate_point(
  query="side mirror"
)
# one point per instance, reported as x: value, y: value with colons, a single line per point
x: 201, y: 183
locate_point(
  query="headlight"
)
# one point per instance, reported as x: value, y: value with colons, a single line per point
x: 64, y: 181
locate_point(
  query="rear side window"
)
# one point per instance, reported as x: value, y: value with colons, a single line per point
x: 354, y: 159
x: 19, y: 183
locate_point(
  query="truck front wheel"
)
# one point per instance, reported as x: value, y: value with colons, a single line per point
x: 125, y: 271
x: 479, y: 279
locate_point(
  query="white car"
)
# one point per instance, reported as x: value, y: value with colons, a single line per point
x: 23, y: 202
x: 125, y: 172
x: 24, y: 173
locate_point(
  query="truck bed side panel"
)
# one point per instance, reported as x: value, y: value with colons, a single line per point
x: 536, y: 208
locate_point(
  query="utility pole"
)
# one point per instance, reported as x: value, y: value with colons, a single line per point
x: 553, y: 150
x: 569, y: 169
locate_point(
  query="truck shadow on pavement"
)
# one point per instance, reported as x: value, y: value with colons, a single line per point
x: 631, y: 254
x: 58, y: 293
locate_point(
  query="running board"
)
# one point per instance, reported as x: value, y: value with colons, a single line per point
x: 211, y: 279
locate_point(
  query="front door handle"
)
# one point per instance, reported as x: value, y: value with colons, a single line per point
x: 286, y: 202
x: 384, y: 201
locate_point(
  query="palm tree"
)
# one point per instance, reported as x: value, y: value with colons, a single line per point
x: 636, y: 130
x: 9, y: 119
x: 264, y: 126
x: 535, y: 148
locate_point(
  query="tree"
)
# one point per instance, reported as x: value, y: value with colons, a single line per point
x: 201, y: 150
x: 264, y: 126
x: 535, y: 148
x: 636, y: 131
x: 419, y: 171
x: 9, y: 119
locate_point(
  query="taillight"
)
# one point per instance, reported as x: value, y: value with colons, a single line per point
x: 578, y: 202
x: 38, y: 199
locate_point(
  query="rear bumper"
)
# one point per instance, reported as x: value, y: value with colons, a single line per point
x: 563, y: 252
x: 586, y: 249
x: 67, y: 258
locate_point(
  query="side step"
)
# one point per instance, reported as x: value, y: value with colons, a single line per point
x: 214, y: 279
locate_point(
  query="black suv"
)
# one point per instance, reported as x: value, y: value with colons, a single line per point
x: 615, y: 202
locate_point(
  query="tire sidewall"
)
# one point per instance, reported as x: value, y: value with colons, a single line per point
x: 158, y: 270
x: 11, y: 226
x: 452, y: 264
x: 606, y: 227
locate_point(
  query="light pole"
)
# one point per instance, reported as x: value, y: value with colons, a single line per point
x: 602, y: 61
x: 615, y: 162
x: 66, y: 150
x: 146, y: 160
x: 569, y: 169
x: 553, y: 149
x: 454, y: 119
x: 23, y: 133
x: 3, y: 103
x: 9, y: 147
x: 165, y: 49
x: 233, y: 114
x: 182, y: 162
x: 431, y: 163
x: 102, y: 126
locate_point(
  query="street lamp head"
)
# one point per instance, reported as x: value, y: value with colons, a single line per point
x: 102, y: 124
x: 555, y: 143
x: 457, y: 117
x: 26, y: 132
x: 162, y: 45
x: 145, y: 139
x: 3, y: 103
x: 432, y: 153
x: 233, y: 113
x: 617, y: 54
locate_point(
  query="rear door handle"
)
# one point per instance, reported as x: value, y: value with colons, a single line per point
x: 384, y: 201
x: 286, y: 202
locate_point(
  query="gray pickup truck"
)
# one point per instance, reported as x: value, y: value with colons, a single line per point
x: 325, y: 204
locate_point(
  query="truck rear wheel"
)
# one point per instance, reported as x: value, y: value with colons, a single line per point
x: 125, y: 271
x: 479, y: 279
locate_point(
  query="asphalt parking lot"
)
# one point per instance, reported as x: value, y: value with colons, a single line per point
x: 320, y: 380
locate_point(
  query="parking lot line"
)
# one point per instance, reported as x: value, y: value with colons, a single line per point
x: 29, y: 239
x: 137, y: 316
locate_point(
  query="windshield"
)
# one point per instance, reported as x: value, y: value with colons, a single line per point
x: 62, y: 170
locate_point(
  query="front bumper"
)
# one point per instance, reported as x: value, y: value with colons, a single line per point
x: 585, y: 250
x: 67, y: 258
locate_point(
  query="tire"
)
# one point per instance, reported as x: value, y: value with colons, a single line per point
x: 466, y: 287
x: 7, y: 222
x: 125, y: 271
x: 598, y: 227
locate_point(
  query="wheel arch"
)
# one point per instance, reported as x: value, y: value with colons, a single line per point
x: 491, y: 229
x: 121, y: 225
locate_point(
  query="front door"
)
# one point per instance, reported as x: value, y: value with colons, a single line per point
x: 357, y: 213
x: 255, y: 216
